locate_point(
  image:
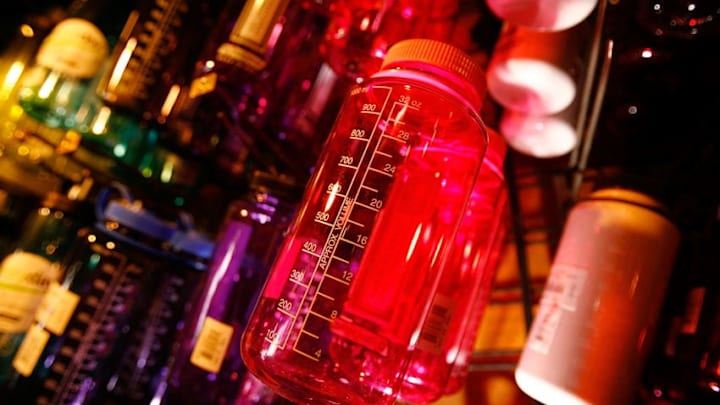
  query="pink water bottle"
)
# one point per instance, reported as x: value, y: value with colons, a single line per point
x: 461, y: 367
x: 362, y: 258
x: 464, y: 285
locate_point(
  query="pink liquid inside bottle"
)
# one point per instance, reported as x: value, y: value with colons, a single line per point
x: 463, y: 286
x: 461, y: 367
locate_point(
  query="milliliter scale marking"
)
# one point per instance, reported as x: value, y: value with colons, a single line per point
x: 366, y: 179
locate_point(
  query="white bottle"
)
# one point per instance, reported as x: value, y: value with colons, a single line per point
x: 535, y: 72
x: 597, y: 316
x: 540, y: 135
x: 543, y: 15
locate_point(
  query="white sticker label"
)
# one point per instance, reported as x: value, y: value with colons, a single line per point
x: 30, y: 350
x: 75, y: 47
x: 24, y: 278
x: 56, y: 308
x: 561, y: 293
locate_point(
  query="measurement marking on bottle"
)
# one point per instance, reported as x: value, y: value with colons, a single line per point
x: 340, y: 259
x: 316, y: 358
x: 300, y: 283
x: 374, y: 190
x: 323, y: 223
x: 383, y: 172
x: 309, y: 334
x: 282, y: 311
x: 337, y: 194
x: 405, y: 106
x: 271, y: 335
x: 334, y: 188
x: 338, y: 279
x: 358, y: 137
x: 311, y: 253
x: 337, y: 252
x: 350, y: 221
x: 392, y: 138
x: 353, y: 243
x: 368, y: 207
x: 330, y: 297
x: 320, y: 316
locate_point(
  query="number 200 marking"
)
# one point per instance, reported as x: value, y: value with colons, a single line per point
x: 284, y: 304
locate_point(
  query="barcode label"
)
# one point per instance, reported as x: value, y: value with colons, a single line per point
x: 435, y: 328
x: 30, y: 350
x: 56, y: 308
x: 211, y: 346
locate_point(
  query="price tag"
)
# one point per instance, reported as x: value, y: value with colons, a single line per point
x: 211, y: 346
x: 30, y: 350
x: 57, y: 307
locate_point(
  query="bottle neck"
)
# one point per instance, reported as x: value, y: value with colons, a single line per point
x: 451, y: 84
x: 252, y: 35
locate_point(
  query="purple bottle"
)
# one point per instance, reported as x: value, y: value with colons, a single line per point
x: 206, y: 367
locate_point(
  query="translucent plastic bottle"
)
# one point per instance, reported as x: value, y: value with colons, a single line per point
x: 464, y: 285
x: 599, y: 310
x: 461, y: 368
x: 206, y: 367
x: 359, y: 267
